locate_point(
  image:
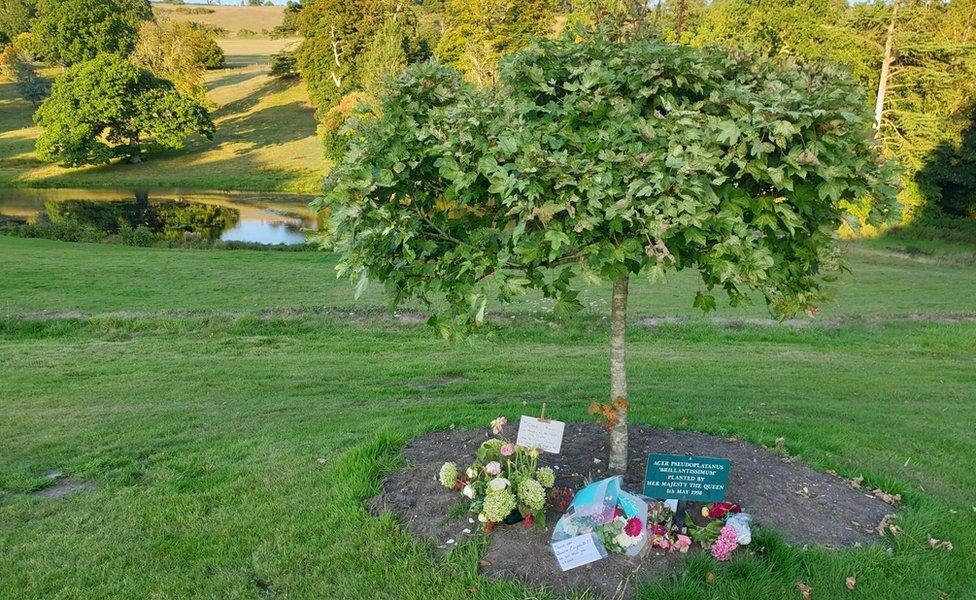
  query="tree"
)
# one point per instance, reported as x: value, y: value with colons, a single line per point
x: 177, y: 51
x: 384, y: 57
x: 607, y: 157
x: 807, y: 29
x: 16, y: 17
x: 108, y: 108
x: 924, y: 63
x: 72, y: 31
x: 336, y: 34
x: 283, y: 65
x: 17, y: 66
x: 949, y: 172
x: 477, y: 34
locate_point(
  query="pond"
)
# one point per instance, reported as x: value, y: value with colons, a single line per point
x: 261, y: 218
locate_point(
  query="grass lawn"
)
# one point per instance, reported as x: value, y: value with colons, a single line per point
x: 203, y: 431
x: 266, y: 137
x: 44, y: 275
x: 203, y: 436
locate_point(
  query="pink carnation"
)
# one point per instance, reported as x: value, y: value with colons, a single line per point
x: 633, y: 527
x: 681, y: 544
x: 493, y: 468
x: 508, y: 449
x: 726, y: 544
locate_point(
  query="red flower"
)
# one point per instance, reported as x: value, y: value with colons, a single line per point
x: 617, y: 512
x: 633, y: 527
x: 489, y: 526
x: 529, y: 521
x: 720, y: 509
x: 658, y: 530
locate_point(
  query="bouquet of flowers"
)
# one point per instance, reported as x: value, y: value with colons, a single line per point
x: 728, y: 529
x: 504, y: 483
x: 617, y: 518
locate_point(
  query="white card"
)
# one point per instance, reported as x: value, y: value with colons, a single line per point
x: 544, y: 435
x: 576, y: 551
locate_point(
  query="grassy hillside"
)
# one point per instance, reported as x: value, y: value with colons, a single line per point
x: 266, y: 137
x: 231, y: 18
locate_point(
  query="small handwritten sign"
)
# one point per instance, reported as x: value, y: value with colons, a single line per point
x: 577, y: 551
x: 545, y: 435
x: 697, y: 478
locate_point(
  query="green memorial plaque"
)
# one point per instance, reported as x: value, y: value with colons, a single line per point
x: 695, y: 478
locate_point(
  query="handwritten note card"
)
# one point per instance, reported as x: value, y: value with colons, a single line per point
x: 576, y: 551
x: 544, y: 435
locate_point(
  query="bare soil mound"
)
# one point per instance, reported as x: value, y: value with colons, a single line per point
x: 806, y: 507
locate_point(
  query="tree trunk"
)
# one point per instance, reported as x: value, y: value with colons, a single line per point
x: 886, y: 61
x: 618, y: 373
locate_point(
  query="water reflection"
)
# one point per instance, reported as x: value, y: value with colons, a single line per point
x: 257, y: 218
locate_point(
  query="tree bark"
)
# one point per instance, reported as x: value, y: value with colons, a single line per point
x: 886, y: 61
x: 618, y: 373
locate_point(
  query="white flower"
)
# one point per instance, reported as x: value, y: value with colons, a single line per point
x: 493, y: 468
x: 624, y: 540
x: 482, y: 518
x: 468, y: 491
x: 471, y: 472
x: 498, y: 484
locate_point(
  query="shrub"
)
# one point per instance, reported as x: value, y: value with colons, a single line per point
x: 283, y: 65
x: 335, y: 138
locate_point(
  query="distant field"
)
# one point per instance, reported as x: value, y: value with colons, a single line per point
x: 231, y: 18
x: 266, y: 137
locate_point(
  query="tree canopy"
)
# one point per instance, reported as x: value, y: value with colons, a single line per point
x: 179, y: 52
x: 337, y: 34
x: 108, y: 108
x: 608, y: 157
x: 72, y: 31
x: 16, y: 17
x: 477, y: 34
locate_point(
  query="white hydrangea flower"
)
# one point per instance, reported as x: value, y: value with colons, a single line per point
x: 498, y: 484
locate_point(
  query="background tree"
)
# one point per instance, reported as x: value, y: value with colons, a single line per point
x: 283, y: 65
x: 948, y: 175
x: 930, y: 78
x: 16, y: 17
x: 177, y: 51
x: 17, y: 65
x: 384, y: 57
x: 72, y: 31
x: 337, y: 33
x: 108, y: 108
x: 607, y: 157
x: 477, y: 34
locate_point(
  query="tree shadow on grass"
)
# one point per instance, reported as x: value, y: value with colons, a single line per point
x: 270, y: 126
x: 245, y: 104
x: 233, y: 79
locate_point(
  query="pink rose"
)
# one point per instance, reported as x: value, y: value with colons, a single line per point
x: 681, y: 544
x: 493, y: 468
x: 508, y: 449
x: 633, y: 527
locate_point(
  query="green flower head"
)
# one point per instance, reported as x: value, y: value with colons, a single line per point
x: 448, y: 474
x: 531, y: 494
x: 498, y: 505
x: 546, y: 476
